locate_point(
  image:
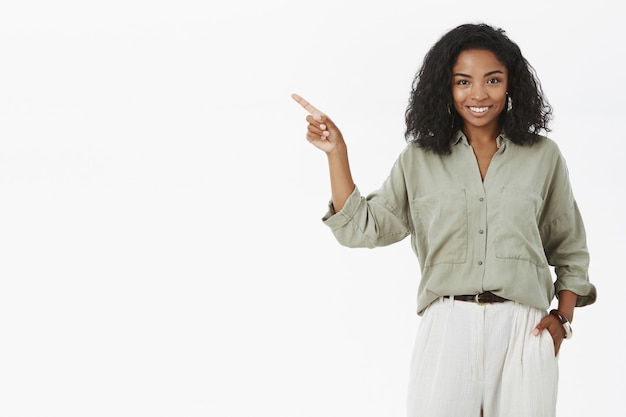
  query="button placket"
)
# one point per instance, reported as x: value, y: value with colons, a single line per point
x: 482, y: 228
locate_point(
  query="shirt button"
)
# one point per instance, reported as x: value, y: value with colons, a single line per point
x: 480, y: 262
x: 481, y: 199
x: 481, y: 231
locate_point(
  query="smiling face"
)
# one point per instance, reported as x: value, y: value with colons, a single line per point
x: 479, y: 85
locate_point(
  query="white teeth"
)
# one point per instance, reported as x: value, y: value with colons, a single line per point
x: 479, y: 109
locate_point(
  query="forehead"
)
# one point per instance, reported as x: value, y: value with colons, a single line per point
x: 478, y: 60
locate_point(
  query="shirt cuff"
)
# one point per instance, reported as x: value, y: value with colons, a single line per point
x: 335, y: 219
x: 585, y: 290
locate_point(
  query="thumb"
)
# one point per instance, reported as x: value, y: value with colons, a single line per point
x: 543, y: 324
x: 323, y: 118
x: 317, y: 116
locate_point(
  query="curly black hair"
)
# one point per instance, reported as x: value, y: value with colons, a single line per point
x: 431, y: 119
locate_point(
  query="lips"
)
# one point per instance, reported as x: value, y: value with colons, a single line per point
x: 479, y: 109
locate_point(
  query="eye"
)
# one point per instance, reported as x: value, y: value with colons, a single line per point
x: 462, y: 82
x: 493, y: 81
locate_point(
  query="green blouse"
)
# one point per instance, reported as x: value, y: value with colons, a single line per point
x: 500, y: 235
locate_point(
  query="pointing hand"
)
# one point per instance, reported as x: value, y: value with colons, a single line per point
x: 321, y: 132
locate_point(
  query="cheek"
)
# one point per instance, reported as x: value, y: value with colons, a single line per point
x: 502, y: 100
x: 458, y: 97
x: 457, y: 93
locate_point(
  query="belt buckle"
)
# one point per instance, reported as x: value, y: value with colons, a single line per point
x: 477, y: 300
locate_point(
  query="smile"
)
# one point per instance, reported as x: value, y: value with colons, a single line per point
x: 479, y: 109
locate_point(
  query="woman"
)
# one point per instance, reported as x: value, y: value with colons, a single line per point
x: 488, y: 205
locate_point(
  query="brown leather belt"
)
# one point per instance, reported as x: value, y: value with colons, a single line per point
x: 482, y: 298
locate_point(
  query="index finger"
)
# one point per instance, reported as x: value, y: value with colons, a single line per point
x: 307, y: 106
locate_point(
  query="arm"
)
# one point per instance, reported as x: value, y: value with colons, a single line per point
x: 379, y: 219
x: 566, y: 249
x: 341, y: 182
x: 325, y: 135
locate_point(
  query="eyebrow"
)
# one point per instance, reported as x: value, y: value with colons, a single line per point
x: 460, y: 74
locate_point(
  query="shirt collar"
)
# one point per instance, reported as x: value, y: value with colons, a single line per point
x: 459, y: 136
x: 456, y: 138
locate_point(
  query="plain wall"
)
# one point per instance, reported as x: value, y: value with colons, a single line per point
x: 161, y: 248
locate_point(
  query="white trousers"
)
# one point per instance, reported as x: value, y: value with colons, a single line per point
x: 475, y: 360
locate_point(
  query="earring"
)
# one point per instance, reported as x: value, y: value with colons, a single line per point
x: 509, y: 102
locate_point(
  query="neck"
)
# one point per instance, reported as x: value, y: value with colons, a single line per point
x: 481, y: 136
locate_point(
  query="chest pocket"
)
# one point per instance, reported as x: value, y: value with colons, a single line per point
x: 517, y: 231
x: 441, y: 224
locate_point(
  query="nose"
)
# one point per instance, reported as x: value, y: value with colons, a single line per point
x: 478, y: 91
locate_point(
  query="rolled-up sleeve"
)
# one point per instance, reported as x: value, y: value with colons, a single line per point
x: 564, y: 239
x: 379, y: 219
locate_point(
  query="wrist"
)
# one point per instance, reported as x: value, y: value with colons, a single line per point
x: 564, y: 322
x: 340, y: 150
x: 567, y: 303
